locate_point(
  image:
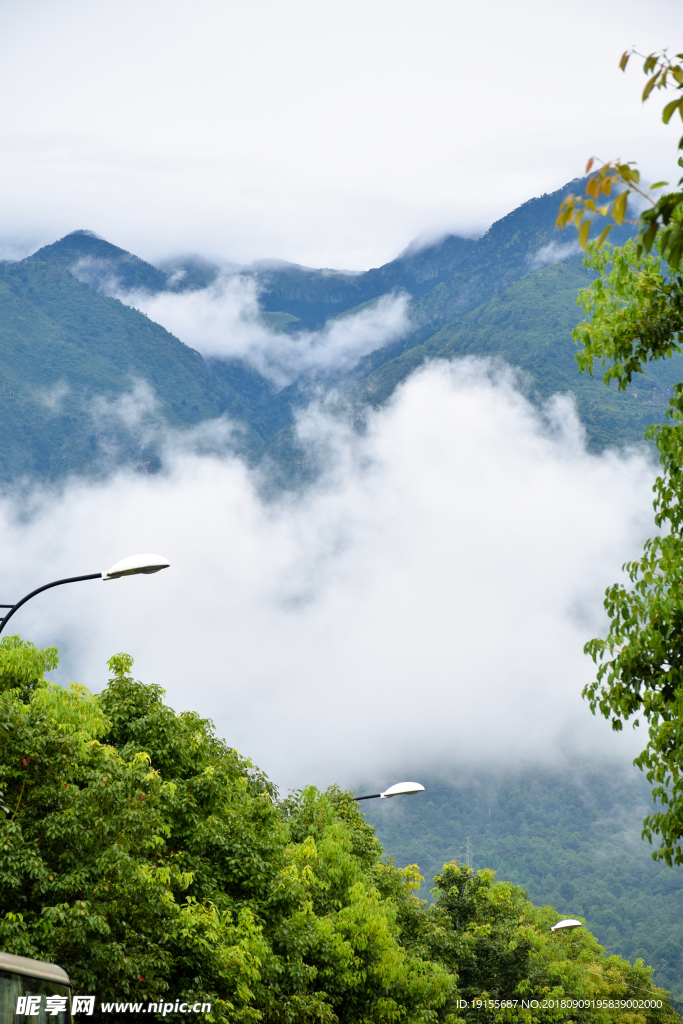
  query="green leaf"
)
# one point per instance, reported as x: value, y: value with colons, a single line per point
x: 650, y: 235
x: 619, y: 207
x: 583, y: 233
x: 604, y: 235
x: 669, y: 109
x: 649, y: 87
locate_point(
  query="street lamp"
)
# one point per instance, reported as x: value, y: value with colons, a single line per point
x: 126, y: 567
x: 568, y: 923
x: 399, y: 789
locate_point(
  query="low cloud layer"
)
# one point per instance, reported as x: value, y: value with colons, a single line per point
x: 554, y: 252
x: 427, y: 601
x: 224, y: 320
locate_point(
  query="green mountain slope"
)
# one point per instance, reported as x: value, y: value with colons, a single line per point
x: 529, y: 326
x: 64, y: 346
x: 570, y: 837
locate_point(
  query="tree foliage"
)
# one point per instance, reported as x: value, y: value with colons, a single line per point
x: 635, y: 306
x: 567, y: 833
x: 149, y: 859
x: 501, y: 948
x: 152, y: 861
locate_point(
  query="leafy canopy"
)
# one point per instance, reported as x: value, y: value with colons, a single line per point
x: 150, y: 859
x: 635, y: 306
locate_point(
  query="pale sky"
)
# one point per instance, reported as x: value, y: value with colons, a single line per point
x: 325, y: 133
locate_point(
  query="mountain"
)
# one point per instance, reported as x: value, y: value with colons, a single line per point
x: 69, y: 354
x: 95, y: 261
x: 88, y: 383
x: 570, y: 836
x: 528, y: 325
x: 446, y: 279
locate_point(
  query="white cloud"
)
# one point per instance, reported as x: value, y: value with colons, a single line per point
x: 133, y: 424
x: 223, y: 320
x: 54, y: 396
x: 426, y: 601
x: 98, y: 274
x: 133, y: 409
x: 553, y: 253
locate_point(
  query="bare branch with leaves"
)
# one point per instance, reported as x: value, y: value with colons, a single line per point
x: 616, y: 180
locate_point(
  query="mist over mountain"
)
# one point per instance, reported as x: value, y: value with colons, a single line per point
x: 88, y: 381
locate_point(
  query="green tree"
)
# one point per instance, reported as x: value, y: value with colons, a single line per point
x: 635, y: 306
x: 152, y: 861
x: 148, y: 858
x: 501, y: 948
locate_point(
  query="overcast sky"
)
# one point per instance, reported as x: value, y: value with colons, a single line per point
x: 325, y: 133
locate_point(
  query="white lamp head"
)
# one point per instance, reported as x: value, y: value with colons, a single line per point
x: 567, y: 923
x: 134, y: 564
x: 402, y: 787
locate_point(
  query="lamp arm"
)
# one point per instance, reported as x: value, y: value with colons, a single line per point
x: 371, y: 796
x: 15, y: 607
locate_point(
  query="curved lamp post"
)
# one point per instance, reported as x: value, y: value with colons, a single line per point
x: 126, y: 567
x: 399, y: 789
x: 568, y: 923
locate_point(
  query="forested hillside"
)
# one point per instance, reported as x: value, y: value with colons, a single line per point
x: 529, y: 325
x: 151, y: 860
x: 570, y: 836
x: 70, y: 354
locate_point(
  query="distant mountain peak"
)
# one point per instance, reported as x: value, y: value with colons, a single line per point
x: 80, y: 243
x: 97, y: 263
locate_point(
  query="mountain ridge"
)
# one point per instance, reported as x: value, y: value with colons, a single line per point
x: 62, y: 331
